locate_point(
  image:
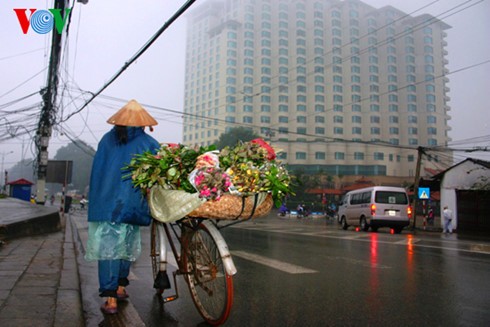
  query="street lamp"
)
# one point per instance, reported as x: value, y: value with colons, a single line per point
x: 3, y: 171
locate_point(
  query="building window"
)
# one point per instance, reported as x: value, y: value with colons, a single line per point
x: 248, y: 120
x: 411, y: 158
x: 431, y: 119
x: 432, y: 131
x: 300, y: 155
x: 378, y: 156
x: 320, y: 155
x: 339, y: 156
x: 412, y: 107
x: 358, y: 155
x: 319, y: 119
x: 356, y: 130
x: 357, y: 119
x: 338, y: 130
x: 320, y: 130
x: 412, y: 131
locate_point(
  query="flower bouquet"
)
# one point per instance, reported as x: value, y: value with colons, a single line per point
x: 238, y: 182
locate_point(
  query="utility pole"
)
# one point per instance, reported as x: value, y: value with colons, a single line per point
x: 49, y: 109
x: 420, y: 152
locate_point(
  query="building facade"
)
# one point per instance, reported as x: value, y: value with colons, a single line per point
x: 339, y: 86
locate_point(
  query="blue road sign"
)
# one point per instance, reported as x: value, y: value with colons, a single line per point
x: 424, y: 193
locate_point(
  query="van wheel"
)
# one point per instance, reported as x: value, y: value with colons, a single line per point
x: 364, y: 225
x: 344, y: 224
x: 374, y: 229
x: 397, y: 230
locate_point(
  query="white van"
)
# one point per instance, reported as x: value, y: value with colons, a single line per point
x: 377, y: 206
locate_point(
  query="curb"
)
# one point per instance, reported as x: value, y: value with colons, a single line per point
x: 69, y: 308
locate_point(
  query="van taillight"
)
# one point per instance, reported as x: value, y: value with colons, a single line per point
x: 409, y: 212
x: 373, y: 209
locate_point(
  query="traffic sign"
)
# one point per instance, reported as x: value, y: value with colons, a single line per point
x: 424, y: 193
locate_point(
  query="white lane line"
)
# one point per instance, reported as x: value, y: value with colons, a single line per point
x: 276, y: 264
x: 408, y: 241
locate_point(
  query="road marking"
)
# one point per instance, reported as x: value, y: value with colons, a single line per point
x: 418, y: 242
x: 480, y: 248
x: 276, y: 264
x: 408, y: 241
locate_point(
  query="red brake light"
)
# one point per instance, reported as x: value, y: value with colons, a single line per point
x: 409, y: 212
x: 373, y: 209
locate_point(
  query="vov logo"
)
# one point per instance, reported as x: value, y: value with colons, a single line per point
x: 42, y: 21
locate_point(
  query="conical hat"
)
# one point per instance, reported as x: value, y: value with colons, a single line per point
x: 132, y: 114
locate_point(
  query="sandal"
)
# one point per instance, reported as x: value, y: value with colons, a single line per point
x: 110, y: 306
x: 122, y: 295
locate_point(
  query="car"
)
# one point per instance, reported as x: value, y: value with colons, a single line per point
x: 375, y: 207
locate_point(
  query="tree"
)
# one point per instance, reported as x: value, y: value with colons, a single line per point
x: 235, y: 134
x: 82, y: 156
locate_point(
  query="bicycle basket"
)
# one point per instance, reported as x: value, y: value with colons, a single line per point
x: 232, y: 207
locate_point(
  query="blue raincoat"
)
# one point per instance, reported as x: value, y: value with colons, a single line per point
x: 117, y: 209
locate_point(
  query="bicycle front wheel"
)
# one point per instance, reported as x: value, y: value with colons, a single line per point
x: 210, y: 286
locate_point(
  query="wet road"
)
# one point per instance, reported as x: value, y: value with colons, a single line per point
x: 309, y: 273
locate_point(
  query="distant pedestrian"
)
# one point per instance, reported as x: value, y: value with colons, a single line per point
x: 430, y: 217
x: 447, y: 215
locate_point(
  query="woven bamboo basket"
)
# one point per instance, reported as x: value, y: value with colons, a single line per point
x: 232, y: 207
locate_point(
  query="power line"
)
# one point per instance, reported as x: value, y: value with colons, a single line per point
x: 145, y: 47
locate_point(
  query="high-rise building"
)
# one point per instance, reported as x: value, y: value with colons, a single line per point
x: 340, y: 86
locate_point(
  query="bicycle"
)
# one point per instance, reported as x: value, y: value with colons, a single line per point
x: 203, y: 259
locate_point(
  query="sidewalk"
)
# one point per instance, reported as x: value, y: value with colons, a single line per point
x: 40, y: 283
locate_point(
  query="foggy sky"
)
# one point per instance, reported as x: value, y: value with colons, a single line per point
x: 105, y: 34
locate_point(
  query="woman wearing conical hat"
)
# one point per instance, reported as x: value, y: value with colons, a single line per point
x: 116, y: 209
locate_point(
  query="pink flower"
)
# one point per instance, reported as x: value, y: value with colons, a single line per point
x: 271, y: 155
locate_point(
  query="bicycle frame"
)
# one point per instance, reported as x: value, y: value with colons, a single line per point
x: 166, y: 236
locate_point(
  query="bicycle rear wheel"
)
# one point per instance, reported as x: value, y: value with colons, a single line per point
x: 157, y: 254
x: 210, y: 286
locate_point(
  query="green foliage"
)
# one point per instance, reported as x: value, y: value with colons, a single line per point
x: 169, y: 167
x: 234, y: 135
x: 82, y: 156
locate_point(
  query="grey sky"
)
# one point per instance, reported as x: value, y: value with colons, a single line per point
x: 105, y: 34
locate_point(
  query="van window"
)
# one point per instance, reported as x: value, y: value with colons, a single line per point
x: 391, y: 197
x: 359, y: 198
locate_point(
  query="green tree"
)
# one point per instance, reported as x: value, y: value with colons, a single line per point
x: 82, y: 156
x: 235, y: 134
x: 23, y: 169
